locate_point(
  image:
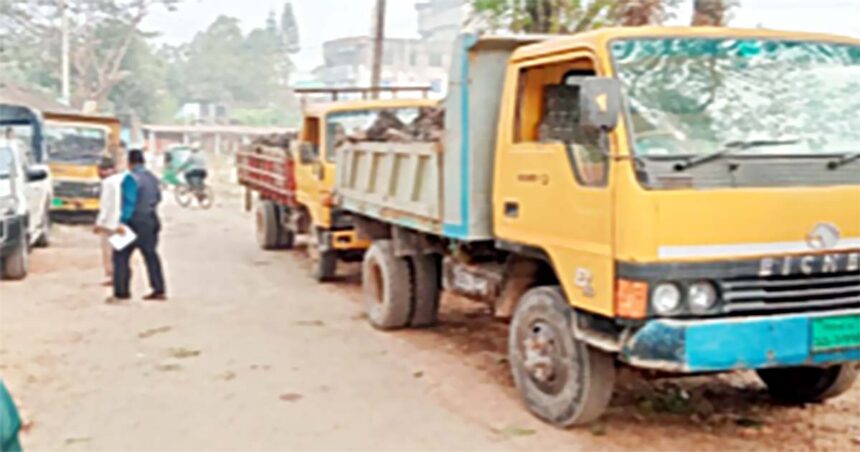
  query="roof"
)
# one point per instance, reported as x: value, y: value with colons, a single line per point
x: 323, y: 108
x: 16, y: 95
x: 599, y: 38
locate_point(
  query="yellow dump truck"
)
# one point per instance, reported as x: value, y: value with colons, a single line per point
x: 298, y: 199
x: 679, y: 199
x: 75, y: 143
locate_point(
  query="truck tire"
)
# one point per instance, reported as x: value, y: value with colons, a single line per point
x: 15, y: 265
x: 44, y: 240
x: 324, y: 267
x: 426, y: 289
x: 387, y: 287
x: 267, y: 224
x: 809, y: 384
x: 286, y: 236
x: 561, y: 380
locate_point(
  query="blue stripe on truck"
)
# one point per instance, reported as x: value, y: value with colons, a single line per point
x: 461, y: 230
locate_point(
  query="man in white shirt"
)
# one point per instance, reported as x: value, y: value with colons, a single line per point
x: 110, y: 205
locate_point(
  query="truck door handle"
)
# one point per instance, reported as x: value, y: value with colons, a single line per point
x: 512, y: 209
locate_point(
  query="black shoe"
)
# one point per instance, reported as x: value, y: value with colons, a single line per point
x: 155, y: 297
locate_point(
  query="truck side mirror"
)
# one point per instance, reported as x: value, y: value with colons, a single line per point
x: 37, y: 174
x: 307, y: 153
x: 600, y: 103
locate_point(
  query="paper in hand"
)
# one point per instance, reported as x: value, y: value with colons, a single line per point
x: 120, y: 242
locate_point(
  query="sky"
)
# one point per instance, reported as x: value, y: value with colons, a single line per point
x: 323, y: 20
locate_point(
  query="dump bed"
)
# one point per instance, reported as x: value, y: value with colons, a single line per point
x: 266, y: 166
x: 444, y: 187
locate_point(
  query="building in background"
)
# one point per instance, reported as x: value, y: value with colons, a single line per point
x: 406, y: 62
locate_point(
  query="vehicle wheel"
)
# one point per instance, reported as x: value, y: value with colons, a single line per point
x: 324, y: 266
x: 809, y: 384
x: 561, y: 379
x: 426, y: 286
x: 45, y: 233
x: 286, y: 238
x: 206, y: 198
x: 183, y: 195
x: 15, y: 265
x: 386, y: 283
x: 267, y: 225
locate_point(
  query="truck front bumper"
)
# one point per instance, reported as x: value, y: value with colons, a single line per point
x: 61, y: 204
x: 744, y: 343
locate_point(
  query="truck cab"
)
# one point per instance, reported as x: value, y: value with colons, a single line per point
x: 683, y: 200
x: 75, y: 143
x: 326, y: 128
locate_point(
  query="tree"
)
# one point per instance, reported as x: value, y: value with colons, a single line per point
x: 712, y: 12
x: 101, y: 34
x: 569, y: 16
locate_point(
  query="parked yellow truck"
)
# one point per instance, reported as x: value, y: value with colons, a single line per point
x: 310, y: 209
x: 75, y: 143
x: 679, y: 199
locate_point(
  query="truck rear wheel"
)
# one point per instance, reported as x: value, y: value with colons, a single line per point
x: 268, y: 225
x: 809, y: 384
x: 561, y: 379
x: 15, y: 265
x: 426, y: 287
x: 387, y: 287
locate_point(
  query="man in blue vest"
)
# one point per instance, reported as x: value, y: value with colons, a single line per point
x: 139, y: 212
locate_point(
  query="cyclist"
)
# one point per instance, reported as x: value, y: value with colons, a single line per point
x: 195, y: 169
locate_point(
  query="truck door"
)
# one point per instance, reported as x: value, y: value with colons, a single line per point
x: 551, y: 188
x: 309, y: 168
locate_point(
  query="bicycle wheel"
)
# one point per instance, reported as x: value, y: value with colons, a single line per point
x: 206, y: 197
x: 183, y: 195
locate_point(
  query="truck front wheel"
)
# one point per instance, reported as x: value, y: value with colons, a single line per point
x: 386, y: 283
x: 809, y: 384
x: 561, y: 379
x: 14, y: 266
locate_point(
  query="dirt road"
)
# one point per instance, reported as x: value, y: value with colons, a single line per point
x: 250, y: 353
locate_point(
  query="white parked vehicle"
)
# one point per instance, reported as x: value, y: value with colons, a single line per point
x: 25, y: 196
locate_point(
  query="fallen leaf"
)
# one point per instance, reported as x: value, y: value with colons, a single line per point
x: 290, y: 397
x: 748, y: 422
x: 153, y: 331
x: 309, y: 323
x: 517, y: 431
x: 78, y: 440
x: 182, y: 353
x: 418, y: 374
x: 227, y: 376
x: 168, y: 367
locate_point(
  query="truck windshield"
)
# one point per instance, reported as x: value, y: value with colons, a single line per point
x: 693, y: 96
x: 75, y: 144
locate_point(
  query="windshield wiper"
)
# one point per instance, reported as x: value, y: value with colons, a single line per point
x: 845, y: 159
x: 730, y: 148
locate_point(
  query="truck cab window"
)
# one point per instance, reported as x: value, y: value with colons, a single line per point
x: 311, y: 135
x: 548, y: 112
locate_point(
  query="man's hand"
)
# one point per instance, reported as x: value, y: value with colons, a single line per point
x: 120, y: 230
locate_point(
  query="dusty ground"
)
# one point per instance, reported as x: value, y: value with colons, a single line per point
x: 250, y: 353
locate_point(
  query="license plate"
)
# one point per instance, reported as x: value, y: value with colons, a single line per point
x: 834, y: 333
x: 57, y: 202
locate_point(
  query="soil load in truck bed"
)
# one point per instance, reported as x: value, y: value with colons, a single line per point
x: 266, y: 166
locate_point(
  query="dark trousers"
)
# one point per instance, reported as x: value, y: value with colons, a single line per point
x: 147, y: 231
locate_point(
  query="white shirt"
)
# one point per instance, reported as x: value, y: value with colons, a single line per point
x: 110, y: 204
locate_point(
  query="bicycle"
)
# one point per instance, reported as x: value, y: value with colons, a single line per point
x: 203, y: 193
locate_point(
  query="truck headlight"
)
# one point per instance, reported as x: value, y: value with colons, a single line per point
x: 666, y: 298
x: 701, y: 297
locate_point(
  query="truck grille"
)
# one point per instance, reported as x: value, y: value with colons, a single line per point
x: 85, y: 190
x: 796, y: 293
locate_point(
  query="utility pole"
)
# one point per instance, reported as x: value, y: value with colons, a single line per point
x: 378, y: 48
x: 64, y: 17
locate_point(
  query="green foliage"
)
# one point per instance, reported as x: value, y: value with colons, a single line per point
x: 572, y: 16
